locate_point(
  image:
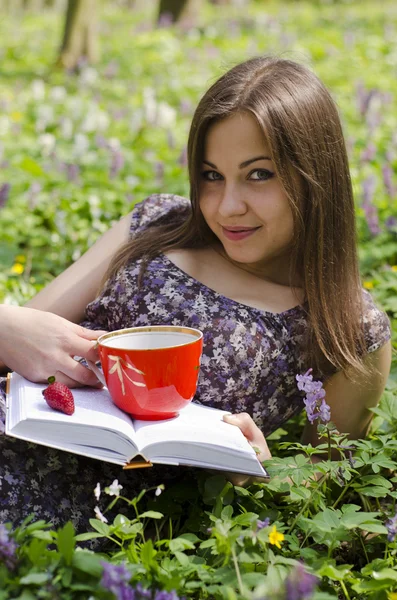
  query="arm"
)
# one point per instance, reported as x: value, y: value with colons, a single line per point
x: 69, y: 293
x: 350, y: 400
x: 38, y: 344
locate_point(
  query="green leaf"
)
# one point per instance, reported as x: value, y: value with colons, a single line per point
x: 35, y: 578
x: 66, y: 542
x: 147, y: 554
x: 339, y: 573
x: 31, y: 166
x: 102, y: 528
x: 182, y: 559
x: 151, y: 514
x: 88, y: 562
x: 83, y: 537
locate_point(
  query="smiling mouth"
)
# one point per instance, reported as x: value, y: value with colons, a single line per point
x: 235, y: 234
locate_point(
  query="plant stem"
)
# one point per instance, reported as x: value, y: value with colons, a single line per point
x: 342, y: 584
x: 240, y: 583
x: 363, y: 545
x: 319, y: 483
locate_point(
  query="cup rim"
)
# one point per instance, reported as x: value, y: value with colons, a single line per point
x: 166, y: 328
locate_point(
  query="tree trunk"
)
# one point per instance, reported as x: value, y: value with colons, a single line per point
x: 178, y: 10
x: 80, y: 34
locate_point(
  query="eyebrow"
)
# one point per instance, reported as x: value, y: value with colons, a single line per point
x: 244, y: 164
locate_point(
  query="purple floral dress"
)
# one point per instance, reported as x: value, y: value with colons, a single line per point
x: 249, y: 363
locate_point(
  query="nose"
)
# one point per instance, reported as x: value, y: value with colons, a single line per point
x: 232, y: 202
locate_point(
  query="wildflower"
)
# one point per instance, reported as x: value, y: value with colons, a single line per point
x: 392, y: 596
x: 275, y: 537
x: 391, y: 526
x: 316, y: 407
x: 4, y: 193
x: 114, y: 489
x: 7, y: 548
x: 300, y: 584
x: 159, y: 490
x: 97, y: 491
x: 163, y: 595
x: 262, y: 524
x: 17, y: 269
x: 99, y: 515
x: 142, y: 594
x: 115, y: 579
x: 394, y: 268
x: 368, y: 285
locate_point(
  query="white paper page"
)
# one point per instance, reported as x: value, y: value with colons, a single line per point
x: 195, y: 424
x: 93, y: 409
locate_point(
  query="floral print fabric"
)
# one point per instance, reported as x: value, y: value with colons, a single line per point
x: 249, y: 363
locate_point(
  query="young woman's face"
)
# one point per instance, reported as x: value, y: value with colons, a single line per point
x: 242, y: 200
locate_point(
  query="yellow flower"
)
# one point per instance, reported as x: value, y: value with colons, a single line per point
x: 16, y: 116
x: 17, y: 269
x: 392, y: 596
x: 368, y: 285
x: 275, y: 537
x: 20, y: 258
x: 394, y: 268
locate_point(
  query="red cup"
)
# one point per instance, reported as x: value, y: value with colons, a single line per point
x: 151, y: 372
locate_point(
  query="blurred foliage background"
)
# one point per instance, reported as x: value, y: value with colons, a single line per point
x: 82, y: 141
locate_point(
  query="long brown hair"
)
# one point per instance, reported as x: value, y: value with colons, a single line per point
x: 302, y: 128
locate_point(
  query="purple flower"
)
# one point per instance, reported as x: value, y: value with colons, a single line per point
x: 300, y: 584
x: 391, y: 223
x: 262, y: 524
x: 4, y: 193
x: 166, y: 595
x: 115, y: 579
x: 391, y: 526
x: 7, y: 548
x: 368, y: 153
x: 117, y: 163
x: 387, y: 173
x: 371, y: 213
x: 315, y: 405
x: 142, y: 594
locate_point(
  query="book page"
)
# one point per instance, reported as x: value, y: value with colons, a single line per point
x: 94, y: 410
x: 195, y: 424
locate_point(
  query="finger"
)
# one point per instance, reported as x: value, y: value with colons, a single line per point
x: 71, y: 383
x: 79, y: 373
x: 89, y: 334
x: 251, y: 431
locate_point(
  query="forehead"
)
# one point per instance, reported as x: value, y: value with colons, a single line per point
x: 239, y: 134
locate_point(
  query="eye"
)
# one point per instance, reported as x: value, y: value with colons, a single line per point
x: 260, y: 175
x: 211, y: 176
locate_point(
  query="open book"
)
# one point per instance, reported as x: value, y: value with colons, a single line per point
x: 197, y: 437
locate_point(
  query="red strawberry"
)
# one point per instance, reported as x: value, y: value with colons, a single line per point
x: 59, y: 397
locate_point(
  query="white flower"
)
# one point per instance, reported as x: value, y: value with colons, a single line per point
x: 47, y: 142
x: 81, y: 144
x: 99, y: 515
x: 97, y: 491
x: 158, y: 491
x: 4, y: 124
x: 166, y: 115
x: 38, y: 89
x: 88, y: 76
x: 114, y: 489
x: 58, y: 93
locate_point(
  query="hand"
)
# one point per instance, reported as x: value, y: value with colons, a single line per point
x: 39, y: 344
x: 255, y: 438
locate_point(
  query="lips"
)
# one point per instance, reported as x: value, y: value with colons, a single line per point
x: 237, y: 233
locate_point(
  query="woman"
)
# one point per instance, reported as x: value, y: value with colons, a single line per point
x: 262, y: 259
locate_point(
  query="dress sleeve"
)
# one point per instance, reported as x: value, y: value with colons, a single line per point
x: 376, y: 323
x: 157, y: 209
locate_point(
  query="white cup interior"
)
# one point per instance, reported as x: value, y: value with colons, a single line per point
x: 149, y: 340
